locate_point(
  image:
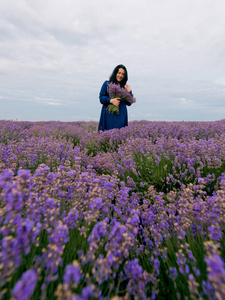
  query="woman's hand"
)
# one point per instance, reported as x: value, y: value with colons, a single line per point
x: 115, y: 101
x: 127, y: 87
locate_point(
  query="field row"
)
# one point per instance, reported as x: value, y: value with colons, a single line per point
x: 136, y: 212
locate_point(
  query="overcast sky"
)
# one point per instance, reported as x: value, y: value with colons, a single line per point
x: 55, y: 56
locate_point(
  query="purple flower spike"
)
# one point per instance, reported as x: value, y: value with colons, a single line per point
x: 72, y: 273
x: 5, y: 177
x: 215, y: 268
x: 25, y: 286
x: 87, y: 292
x: 13, y: 198
x: 138, y: 279
x: 26, y: 234
x: 216, y: 274
x: 25, y: 174
x: 214, y: 232
x: 173, y: 273
x: 97, y: 203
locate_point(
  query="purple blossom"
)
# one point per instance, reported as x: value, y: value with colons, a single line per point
x: 10, y: 257
x: 13, y: 198
x: 72, y: 273
x: 53, y: 256
x: 5, y: 177
x: 140, y: 221
x: 25, y: 174
x: 214, y: 232
x: 60, y: 235
x: 99, y: 230
x: 116, y: 91
x: 25, y: 286
x: 187, y: 269
x: 156, y: 265
x: 138, y: 279
x: 208, y: 290
x: 87, y: 292
x: 27, y: 232
x: 173, y: 272
x: 134, y: 269
x: 71, y: 219
x: 97, y: 203
x: 215, y: 267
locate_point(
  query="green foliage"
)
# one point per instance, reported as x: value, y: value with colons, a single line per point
x: 154, y: 172
x: 151, y: 172
x: 215, y: 173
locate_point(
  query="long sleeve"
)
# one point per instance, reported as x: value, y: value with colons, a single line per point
x: 104, y: 95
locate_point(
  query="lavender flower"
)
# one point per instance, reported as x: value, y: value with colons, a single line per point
x: 173, y: 273
x: 137, y: 279
x: 72, y: 273
x: 60, y: 178
x: 115, y: 91
x: 26, y: 235
x: 25, y: 286
x: 53, y: 256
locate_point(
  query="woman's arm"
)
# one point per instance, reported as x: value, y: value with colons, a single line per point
x: 104, y: 96
x: 128, y: 88
x: 127, y: 102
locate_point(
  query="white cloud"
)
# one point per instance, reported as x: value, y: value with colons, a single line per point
x: 183, y: 100
x: 220, y: 81
x: 173, y: 50
x: 49, y: 101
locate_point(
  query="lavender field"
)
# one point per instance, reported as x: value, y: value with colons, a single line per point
x: 135, y: 213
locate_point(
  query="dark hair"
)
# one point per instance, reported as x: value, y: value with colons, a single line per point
x: 112, y: 78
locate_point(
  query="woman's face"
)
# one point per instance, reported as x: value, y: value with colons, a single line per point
x: 120, y: 75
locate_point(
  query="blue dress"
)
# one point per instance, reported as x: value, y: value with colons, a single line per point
x: 109, y: 120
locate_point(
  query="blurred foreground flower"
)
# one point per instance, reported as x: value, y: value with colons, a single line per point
x: 25, y: 286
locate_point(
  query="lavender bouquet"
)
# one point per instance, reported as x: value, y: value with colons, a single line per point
x: 116, y: 91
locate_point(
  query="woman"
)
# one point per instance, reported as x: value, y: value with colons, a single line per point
x: 107, y: 119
